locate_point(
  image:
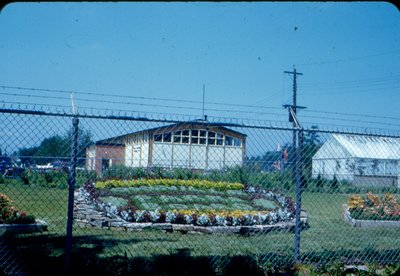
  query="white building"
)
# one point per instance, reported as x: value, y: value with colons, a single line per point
x: 362, y: 160
x: 194, y: 145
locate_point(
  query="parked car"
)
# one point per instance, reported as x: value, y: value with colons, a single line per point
x: 55, y: 165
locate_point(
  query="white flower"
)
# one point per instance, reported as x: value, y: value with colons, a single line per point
x: 283, y: 215
x: 273, y: 216
x: 188, y: 219
x: 203, y: 220
x: 154, y: 216
x: 220, y: 221
x: 248, y: 220
x: 170, y: 217
x: 235, y: 221
x: 138, y: 216
x: 263, y: 218
x: 124, y: 215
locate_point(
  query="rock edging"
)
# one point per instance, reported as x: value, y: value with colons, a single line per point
x: 87, y: 216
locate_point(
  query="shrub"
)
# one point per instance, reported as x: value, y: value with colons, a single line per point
x: 53, y: 179
x: 334, y: 183
x: 320, y: 183
x: 182, y: 173
x: 124, y: 172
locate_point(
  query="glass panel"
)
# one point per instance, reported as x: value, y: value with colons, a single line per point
x: 185, y: 140
x: 211, y: 141
x: 185, y: 132
x: 167, y: 137
x: 195, y: 132
x: 158, y: 137
x: 203, y: 133
x: 203, y: 141
x: 177, y: 139
x: 219, y: 136
x: 177, y: 133
x: 211, y: 134
x: 195, y: 140
x: 228, y: 141
x: 219, y: 142
x: 237, y: 142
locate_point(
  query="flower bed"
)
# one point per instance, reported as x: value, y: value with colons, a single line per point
x: 283, y: 212
x: 10, y: 214
x: 13, y: 220
x: 372, y: 211
x: 374, y: 207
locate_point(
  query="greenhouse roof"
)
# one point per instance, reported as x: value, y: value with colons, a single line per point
x: 371, y: 147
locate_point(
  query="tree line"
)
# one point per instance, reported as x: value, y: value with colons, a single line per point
x: 56, y: 147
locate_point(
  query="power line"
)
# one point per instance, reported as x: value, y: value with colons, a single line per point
x: 370, y: 80
x: 134, y: 97
x: 86, y: 108
x: 351, y: 120
x: 143, y: 104
x: 348, y: 91
x: 349, y: 59
x: 352, y: 114
x: 171, y: 100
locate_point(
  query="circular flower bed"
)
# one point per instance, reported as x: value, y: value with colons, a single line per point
x: 284, y: 211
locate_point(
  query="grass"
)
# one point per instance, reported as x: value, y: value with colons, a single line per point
x: 48, y: 204
x: 328, y: 238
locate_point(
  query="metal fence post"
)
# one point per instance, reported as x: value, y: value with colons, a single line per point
x: 299, y: 178
x: 71, y: 182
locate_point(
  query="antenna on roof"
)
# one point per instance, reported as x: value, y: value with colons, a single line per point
x: 204, y: 95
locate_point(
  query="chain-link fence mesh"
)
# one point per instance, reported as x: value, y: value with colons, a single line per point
x: 152, y: 196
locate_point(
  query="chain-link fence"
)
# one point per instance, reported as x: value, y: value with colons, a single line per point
x: 119, y: 194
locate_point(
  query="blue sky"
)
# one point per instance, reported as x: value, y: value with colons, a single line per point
x: 148, y: 55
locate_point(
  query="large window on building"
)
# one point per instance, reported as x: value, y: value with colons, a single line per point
x: 158, y: 137
x: 197, y: 137
x: 177, y: 136
x: 185, y: 136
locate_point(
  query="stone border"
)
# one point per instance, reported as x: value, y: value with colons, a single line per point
x: 367, y: 223
x: 38, y: 226
x: 86, y: 216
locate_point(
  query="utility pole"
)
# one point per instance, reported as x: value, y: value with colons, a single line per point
x: 294, y: 105
x: 294, y: 108
x: 297, y: 160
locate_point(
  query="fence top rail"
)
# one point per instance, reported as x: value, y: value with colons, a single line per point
x: 215, y: 121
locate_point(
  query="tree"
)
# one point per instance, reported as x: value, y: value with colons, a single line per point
x: 312, y: 136
x: 56, y: 147
x: 84, y: 140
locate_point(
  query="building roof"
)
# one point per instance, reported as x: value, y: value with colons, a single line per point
x: 370, y: 147
x: 172, y: 127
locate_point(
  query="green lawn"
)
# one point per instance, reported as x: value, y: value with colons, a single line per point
x: 327, y: 239
x: 49, y: 204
